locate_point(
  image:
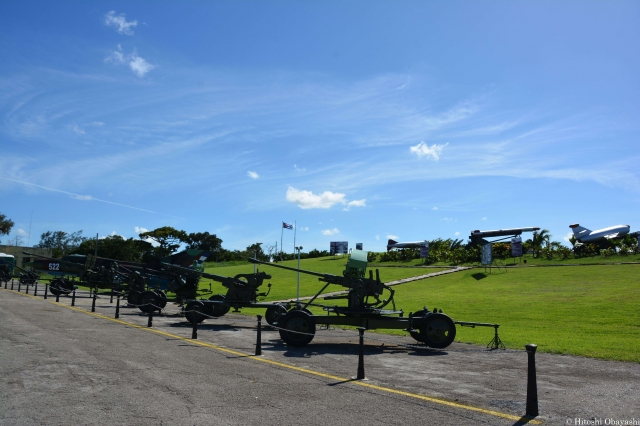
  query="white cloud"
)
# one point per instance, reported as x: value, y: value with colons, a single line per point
x: 457, y: 233
x: 119, y: 22
x: 392, y: 237
x: 484, y: 218
x: 333, y: 231
x: 435, y: 208
x: 138, y: 65
x: 306, y: 228
x: 82, y: 197
x: 448, y: 219
x: 567, y: 237
x: 424, y: 150
x: 309, y: 200
x: 356, y: 203
x: 21, y: 232
x: 97, y: 123
x: 253, y: 175
x: 140, y: 230
x: 377, y: 237
x: 77, y: 130
x: 113, y: 233
x: 299, y: 169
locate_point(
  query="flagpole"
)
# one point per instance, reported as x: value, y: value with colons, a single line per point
x: 281, y: 232
x: 295, y: 229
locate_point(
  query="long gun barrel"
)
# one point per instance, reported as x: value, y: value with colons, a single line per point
x: 13, y: 266
x: 218, y: 278
x: 328, y: 278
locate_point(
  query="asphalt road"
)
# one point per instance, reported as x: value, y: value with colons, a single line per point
x: 67, y: 366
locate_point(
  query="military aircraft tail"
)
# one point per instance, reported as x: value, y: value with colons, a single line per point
x: 579, y: 231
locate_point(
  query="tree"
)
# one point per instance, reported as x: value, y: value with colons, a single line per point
x: 169, y: 239
x: 205, y: 241
x: 5, y: 225
x: 116, y: 247
x: 538, y: 240
x: 60, y: 242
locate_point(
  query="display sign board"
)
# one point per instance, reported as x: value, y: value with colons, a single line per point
x: 339, y: 247
x: 516, y: 247
x: 424, y: 249
x: 358, y: 246
x: 487, y: 254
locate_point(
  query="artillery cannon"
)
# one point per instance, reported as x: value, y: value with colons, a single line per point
x: 27, y: 276
x: 364, y: 308
x: 242, y: 292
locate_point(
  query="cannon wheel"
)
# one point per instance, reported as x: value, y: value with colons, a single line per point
x: 149, y: 301
x: 60, y: 286
x: 273, y: 313
x: 416, y: 333
x: 163, y: 298
x: 133, y: 297
x: 293, y: 324
x: 194, y: 312
x: 438, y: 331
x: 219, y: 309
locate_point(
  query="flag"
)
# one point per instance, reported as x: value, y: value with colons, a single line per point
x: 287, y: 226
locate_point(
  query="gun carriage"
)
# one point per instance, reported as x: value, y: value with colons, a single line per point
x: 242, y: 292
x: 366, y: 299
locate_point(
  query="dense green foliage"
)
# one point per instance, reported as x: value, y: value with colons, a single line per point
x: 5, y: 225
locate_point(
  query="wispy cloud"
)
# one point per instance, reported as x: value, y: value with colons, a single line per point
x: 423, y: 150
x: 392, y: 237
x: 77, y: 196
x: 434, y: 208
x: 253, y: 175
x: 356, y: 203
x: 138, y: 65
x: 120, y: 23
x: 484, y: 218
x: 333, y: 231
x: 456, y: 233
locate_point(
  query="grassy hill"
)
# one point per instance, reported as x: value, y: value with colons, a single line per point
x: 583, y: 310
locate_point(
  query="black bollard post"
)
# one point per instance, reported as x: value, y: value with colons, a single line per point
x: 259, y: 338
x: 19, y: 285
x: 360, y: 375
x: 93, y: 304
x: 111, y: 301
x: 73, y: 298
x: 58, y: 295
x: 12, y: 284
x: 194, y: 332
x: 532, y: 386
x: 5, y: 284
x: 35, y: 289
x: 118, y: 307
x: 150, y: 322
x: 46, y: 291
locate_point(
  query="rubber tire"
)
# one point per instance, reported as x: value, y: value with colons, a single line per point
x: 438, y: 331
x: 149, y: 301
x: 415, y: 333
x: 133, y: 297
x: 163, y: 298
x: 300, y: 321
x: 219, y: 309
x: 195, y: 317
x: 274, y: 312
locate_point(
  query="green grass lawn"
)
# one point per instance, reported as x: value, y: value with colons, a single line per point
x: 589, y: 311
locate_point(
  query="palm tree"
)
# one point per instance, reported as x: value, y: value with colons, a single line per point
x: 539, y: 238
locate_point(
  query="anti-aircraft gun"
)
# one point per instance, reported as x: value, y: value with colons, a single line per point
x: 364, y: 308
x: 27, y: 276
x: 242, y: 292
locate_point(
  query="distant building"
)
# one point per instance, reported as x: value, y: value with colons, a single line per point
x: 21, y: 259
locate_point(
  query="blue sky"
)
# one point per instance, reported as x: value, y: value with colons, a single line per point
x: 357, y: 120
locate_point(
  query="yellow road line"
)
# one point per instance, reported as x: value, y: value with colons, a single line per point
x: 302, y: 370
